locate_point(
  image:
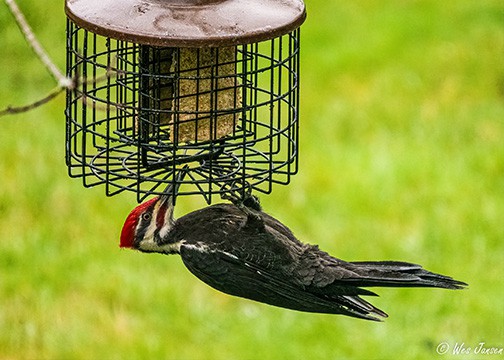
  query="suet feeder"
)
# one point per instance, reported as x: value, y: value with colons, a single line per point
x: 208, y: 85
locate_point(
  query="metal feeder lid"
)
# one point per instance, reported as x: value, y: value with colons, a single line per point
x: 188, y: 23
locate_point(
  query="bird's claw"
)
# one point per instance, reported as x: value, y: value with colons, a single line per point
x: 247, y: 203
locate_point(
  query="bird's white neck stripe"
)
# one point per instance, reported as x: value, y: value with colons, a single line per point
x: 150, y: 245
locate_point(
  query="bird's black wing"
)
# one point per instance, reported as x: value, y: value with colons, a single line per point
x: 248, y: 254
x: 233, y: 275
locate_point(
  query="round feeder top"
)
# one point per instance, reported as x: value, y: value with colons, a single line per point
x: 188, y: 23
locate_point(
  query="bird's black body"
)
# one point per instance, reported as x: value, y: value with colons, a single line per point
x: 242, y: 251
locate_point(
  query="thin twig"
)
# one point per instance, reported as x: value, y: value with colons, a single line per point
x: 111, y: 72
x: 19, y: 109
x: 63, y: 81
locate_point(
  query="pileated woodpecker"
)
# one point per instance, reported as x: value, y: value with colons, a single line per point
x: 242, y: 251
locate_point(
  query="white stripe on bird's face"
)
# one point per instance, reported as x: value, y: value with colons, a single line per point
x: 168, y: 218
x: 152, y: 234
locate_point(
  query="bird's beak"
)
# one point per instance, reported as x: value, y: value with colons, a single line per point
x: 172, y: 189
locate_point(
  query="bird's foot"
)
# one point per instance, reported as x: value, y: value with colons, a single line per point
x: 242, y: 198
x: 252, y: 202
x: 249, y: 204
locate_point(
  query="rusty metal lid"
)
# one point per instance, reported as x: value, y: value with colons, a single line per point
x: 188, y: 23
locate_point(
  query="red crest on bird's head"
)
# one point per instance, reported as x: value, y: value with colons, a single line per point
x: 128, y: 230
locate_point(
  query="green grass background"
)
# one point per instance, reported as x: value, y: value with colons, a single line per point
x: 402, y: 157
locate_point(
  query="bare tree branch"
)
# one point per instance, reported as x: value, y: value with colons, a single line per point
x: 32, y: 40
x: 63, y: 82
x: 76, y: 81
x: 19, y: 109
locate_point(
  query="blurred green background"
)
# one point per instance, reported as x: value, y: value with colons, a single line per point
x: 402, y: 157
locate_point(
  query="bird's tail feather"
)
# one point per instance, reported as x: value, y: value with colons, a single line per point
x: 357, y: 307
x: 399, y: 274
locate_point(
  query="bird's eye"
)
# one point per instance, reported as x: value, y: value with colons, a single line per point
x: 146, y: 217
